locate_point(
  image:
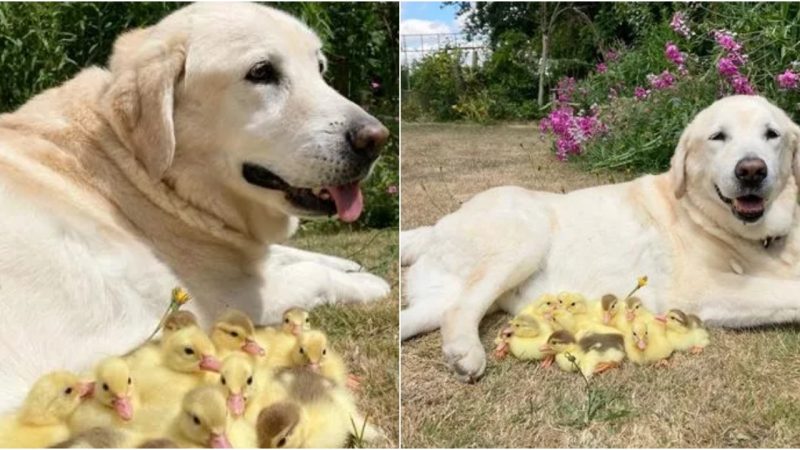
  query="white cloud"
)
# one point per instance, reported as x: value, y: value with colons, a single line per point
x: 420, y: 26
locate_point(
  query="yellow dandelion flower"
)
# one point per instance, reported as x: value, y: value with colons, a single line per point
x: 180, y: 296
x: 642, y: 281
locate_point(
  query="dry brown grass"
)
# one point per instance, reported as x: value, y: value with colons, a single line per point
x: 366, y: 335
x: 743, y: 391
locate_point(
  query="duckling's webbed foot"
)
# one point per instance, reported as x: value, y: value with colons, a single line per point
x: 547, y: 361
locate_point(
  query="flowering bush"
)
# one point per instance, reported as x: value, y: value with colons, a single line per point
x: 636, y: 106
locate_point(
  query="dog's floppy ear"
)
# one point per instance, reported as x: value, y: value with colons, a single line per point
x: 677, y: 171
x: 139, y: 101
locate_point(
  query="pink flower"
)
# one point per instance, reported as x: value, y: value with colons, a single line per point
x: 678, y: 24
x: 564, y: 90
x: 641, y: 93
x: 602, y: 68
x: 727, y: 41
x: 662, y: 81
x: 674, y: 54
x: 571, y: 130
x: 788, y: 79
x: 391, y: 190
x: 741, y: 85
x: 727, y: 67
x: 611, y: 56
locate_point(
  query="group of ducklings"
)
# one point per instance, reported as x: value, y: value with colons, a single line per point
x: 595, y: 336
x: 238, y: 386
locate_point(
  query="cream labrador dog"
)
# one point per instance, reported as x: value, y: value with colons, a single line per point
x: 179, y: 165
x: 717, y: 235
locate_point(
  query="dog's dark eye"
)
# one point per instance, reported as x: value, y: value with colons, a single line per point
x: 771, y: 134
x: 718, y: 136
x: 263, y: 73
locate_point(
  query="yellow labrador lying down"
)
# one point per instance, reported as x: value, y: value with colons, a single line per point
x: 179, y: 165
x: 717, y: 235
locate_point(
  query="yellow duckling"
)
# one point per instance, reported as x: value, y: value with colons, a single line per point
x: 501, y: 348
x: 238, y: 380
x: 313, y: 351
x: 528, y: 334
x: 316, y: 414
x: 685, y: 331
x: 647, y: 342
x: 187, y: 358
x: 542, y: 307
x: 281, y: 340
x: 202, y: 421
x: 178, y: 320
x: 635, y: 309
x: 234, y: 331
x: 576, y: 318
x: 43, y: 418
x: 593, y: 353
x: 114, y: 401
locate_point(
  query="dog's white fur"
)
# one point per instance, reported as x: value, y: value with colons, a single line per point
x: 123, y: 183
x: 506, y: 246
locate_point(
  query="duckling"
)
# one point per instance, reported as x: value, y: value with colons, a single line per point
x: 316, y: 414
x: 234, y: 331
x: 542, y: 307
x: 501, y: 342
x: 237, y: 378
x: 635, y: 309
x: 594, y: 353
x: 43, y: 418
x: 114, y: 401
x: 186, y: 359
x: 281, y: 340
x: 685, y: 331
x: 202, y: 420
x: 576, y: 318
x: 647, y: 342
x: 528, y: 334
x: 178, y: 320
x: 313, y: 351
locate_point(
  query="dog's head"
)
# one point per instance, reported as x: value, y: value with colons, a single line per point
x: 227, y: 104
x: 735, y: 161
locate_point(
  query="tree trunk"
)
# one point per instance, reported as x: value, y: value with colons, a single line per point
x: 545, y: 30
x: 542, y: 68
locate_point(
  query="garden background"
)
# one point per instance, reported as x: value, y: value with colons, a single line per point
x: 616, y: 82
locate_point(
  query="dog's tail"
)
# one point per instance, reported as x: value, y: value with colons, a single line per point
x: 413, y: 244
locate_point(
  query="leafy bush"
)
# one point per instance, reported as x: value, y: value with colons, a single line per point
x: 645, y: 96
x: 44, y: 44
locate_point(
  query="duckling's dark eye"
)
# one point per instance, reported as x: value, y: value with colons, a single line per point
x: 308, y: 320
x: 771, y: 134
x: 222, y: 379
x: 234, y: 334
x: 250, y: 379
x: 301, y: 350
x: 105, y: 386
x: 282, y: 442
x: 573, y: 304
x: 188, y: 351
x: 549, y: 303
x: 324, y: 351
x: 263, y: 73
x: 68, y: 391
x: 286, y: 320
x: 718, y: 136
x: 196, y: 420
x: 129, y: 380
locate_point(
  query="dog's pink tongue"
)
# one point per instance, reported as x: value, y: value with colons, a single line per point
x: 349, y: 201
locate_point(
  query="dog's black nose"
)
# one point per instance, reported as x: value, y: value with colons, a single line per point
x: 751, y: 171
x: 367, y: 138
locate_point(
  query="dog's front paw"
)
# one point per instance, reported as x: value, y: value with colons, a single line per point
x: 467, y: 358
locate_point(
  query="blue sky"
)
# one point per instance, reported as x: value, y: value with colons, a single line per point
x: 428, y: 17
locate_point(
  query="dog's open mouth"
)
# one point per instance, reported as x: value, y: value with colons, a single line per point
x: 346, y: 200
x: 748, y: 208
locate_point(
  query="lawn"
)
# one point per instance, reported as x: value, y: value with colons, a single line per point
x: 743, y: 391
x: 366, y: 335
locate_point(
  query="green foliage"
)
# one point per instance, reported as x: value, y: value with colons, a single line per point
x: 44, y: 44
x: 642, y: 134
